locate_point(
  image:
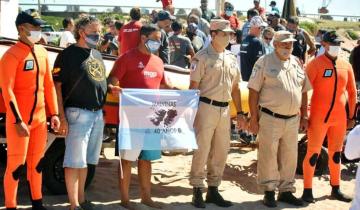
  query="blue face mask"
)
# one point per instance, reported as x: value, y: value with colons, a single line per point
x: 228, y: 13
x: 152, y: 45
x: 92, y: 40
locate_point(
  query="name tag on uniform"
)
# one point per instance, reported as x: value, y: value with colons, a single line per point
x: 29, y: 65
x: 328, y: 72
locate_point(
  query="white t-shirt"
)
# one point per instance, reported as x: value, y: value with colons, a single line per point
x: 352, y: 151
x: 66, y: 39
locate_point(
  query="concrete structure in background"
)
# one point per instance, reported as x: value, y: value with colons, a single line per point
x: 8, y: 13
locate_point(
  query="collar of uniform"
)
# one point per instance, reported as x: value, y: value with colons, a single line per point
x: 25, y: 46
x: 280, y: 62
x: 212, y: 51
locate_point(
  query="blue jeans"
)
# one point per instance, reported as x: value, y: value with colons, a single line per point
x: 84, y: 139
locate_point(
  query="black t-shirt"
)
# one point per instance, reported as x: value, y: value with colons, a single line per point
x: 299, y: 46
x: 251, y: 49
x: 83, y: 76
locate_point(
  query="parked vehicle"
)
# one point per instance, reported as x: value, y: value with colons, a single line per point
x: 52, y: 36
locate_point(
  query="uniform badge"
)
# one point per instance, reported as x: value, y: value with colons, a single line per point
x: 56, y: 70
x: 141, y: 65
x: 29, y: 65
x: 328, y: 73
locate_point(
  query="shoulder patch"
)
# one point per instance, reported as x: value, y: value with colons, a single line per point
x: 56, y: 70
x: 193, y: 66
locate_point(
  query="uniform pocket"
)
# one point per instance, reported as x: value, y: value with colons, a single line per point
x: 72, y: 115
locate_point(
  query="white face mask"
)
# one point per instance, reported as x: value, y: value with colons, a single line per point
x: 334, y: 50
x: 34, y: 37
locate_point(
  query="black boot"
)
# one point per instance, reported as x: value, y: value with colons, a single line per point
x: 197, y: 199
x: 269, y: 199
x: 11, y: 208
x: 213, y: 196
x: 288, y: 197
x: 37, y: 205
x: 308, y: 196
x: 338, y: 195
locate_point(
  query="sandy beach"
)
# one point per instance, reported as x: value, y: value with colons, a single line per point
x: 171, y: 187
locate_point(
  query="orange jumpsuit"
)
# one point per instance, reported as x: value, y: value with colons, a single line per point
x: 26, y: 85
x: 333, y: 86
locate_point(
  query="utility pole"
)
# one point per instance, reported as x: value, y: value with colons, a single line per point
x: 39, y: 7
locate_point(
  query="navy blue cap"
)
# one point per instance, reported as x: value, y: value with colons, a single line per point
x: 165, y: 15
x: 29, y: 16
x: 332, y: 37
x: 192, y: 27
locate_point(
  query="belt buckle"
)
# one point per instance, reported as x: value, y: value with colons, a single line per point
x: 211, y: 102
x: 273, y: 114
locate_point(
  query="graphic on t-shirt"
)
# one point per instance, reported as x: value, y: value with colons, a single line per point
x: 95, y: 68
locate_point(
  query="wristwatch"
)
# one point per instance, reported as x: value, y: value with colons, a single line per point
x: 241, y: 113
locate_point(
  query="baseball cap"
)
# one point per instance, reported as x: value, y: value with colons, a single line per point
x: 284, y: 36
x: 257, y: 21
x: 29, y: 16
x: 220, y: 25
x: 165, y: 15
x: 272, y: 3
x: 332, y: 37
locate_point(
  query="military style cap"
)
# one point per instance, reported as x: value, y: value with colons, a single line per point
x: 284, y: 36
x: 220, y: 25
x: 332, y: 37
x: 165, y: 15
x: 29, y: 16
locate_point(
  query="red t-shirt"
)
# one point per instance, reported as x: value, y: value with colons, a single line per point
x: 129, y: 36
x: 261, y: 10
x: 234, y: 22
x: 166, y: 3
x: 137, y: 70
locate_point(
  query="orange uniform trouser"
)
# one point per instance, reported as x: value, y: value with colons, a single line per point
x: 335, y: 133
x: 20, y: 150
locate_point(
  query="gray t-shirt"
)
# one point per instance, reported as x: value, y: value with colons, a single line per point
x: 164, y: 47
x: 180, y: 46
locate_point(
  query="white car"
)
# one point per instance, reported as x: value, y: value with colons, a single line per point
x: 50, y: 35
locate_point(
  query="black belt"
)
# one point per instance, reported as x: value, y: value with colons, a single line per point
x: 267, y: 111
x: 213, y: 102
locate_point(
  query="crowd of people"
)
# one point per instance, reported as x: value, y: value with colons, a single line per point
x: 269, y: 53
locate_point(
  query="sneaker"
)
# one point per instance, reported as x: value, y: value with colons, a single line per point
x: 87, y: 205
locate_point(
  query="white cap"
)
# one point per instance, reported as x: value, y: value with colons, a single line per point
x: 257, y: 21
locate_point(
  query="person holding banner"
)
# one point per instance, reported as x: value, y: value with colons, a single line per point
x: 80, y: 82
x: 215, y: 72
x: 139, y: 68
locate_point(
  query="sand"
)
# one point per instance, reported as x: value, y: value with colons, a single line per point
x: 171, y: 187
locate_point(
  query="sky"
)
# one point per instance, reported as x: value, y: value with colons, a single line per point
x: 336, y: 7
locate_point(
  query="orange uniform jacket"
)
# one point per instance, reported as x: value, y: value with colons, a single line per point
x: 24, y: 89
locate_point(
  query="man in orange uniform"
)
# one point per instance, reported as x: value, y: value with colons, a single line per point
x: 26, y: 85
x: 331, y: 77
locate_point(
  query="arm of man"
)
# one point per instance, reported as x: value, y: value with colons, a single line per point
x: 255, y: 84
x: 9, y: 64
x: 116, y: 74
x: 51, y: 98
x: 310, y: 42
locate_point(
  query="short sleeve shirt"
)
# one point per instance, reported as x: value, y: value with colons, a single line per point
x: 215, y: 72
x: 66, y: 39
x: 129, y: 36
x: 164, y: 48
x: 137, y: 70
x: 280, y: 84
x: 180, y: 46
x: 86, y: 66
x: 251, y: 49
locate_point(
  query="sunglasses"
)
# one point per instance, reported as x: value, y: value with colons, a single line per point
x: 268, y: 38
